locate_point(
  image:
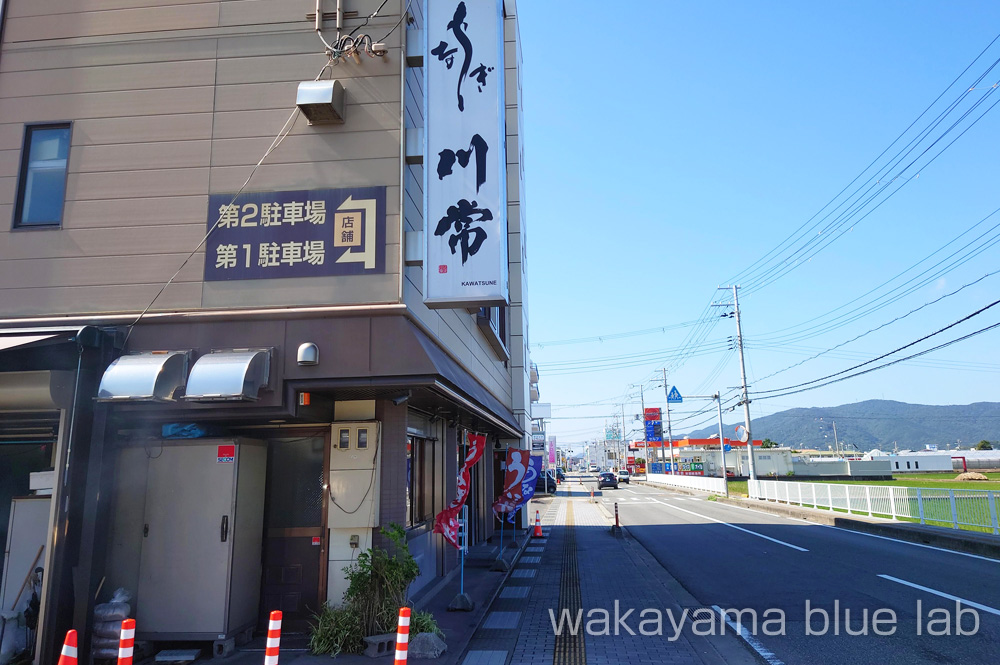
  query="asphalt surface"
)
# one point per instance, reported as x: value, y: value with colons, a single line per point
x: 740, y: 559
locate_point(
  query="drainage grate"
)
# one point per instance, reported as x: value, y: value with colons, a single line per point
x: 570, y: 649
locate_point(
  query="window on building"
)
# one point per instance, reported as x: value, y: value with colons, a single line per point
x: 41, y: 189
x: 897, y: 465
x: 419, y: 480
x: 907, y: 465
x: 916, y: 465
x: 493, y: 322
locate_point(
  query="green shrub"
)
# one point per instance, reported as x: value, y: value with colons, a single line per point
x: 423, y: 622
x: 336, y: 630
x: 377, y: 586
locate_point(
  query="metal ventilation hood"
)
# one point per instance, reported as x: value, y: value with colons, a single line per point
x: 236, y: 375
x: 150, y: 376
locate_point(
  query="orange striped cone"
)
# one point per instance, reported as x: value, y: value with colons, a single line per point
x: 402, y: 636
x: 273, y: 639
x: 68, y: 654
x: 538, y: 526
x: 126, y: 642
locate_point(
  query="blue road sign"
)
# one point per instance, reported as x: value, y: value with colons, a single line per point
x: 727, y: 447
x: 674, y: 396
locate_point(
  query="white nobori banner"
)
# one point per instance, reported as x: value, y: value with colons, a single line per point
x: 465, y: 175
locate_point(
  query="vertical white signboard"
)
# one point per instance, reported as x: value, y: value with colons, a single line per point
x: 465, y: 174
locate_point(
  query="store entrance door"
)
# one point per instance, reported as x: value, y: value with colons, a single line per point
x: 294, y: 537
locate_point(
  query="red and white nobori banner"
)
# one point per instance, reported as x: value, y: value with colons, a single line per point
x: 516, y: 467
x: 446, y: 522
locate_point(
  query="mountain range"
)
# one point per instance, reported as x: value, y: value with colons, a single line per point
x: 882, y: 424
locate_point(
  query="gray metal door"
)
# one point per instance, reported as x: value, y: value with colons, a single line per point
x: 185, y: 560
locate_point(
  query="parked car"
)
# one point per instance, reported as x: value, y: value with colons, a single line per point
x: 546, y: 483
x: 623, y: 476
x: 607, y: 479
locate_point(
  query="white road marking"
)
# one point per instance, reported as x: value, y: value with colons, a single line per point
x: 984, y: 608
x: 862, y: 533
x: 754, y: 643
x: 733, y: 526
x: 632, y: 491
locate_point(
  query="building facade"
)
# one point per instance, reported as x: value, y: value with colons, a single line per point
x: 214, y: 325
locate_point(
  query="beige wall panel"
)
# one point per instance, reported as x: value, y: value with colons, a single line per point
x: 141, y: 156
x: 322, y: 175
x: 97, y: 299
x: 138, y: 184
x: 11, y: 136
x: 19, y: 8
x: 8, y: 190
x: 246, y: 124
x: 113, y: 213
x: 140, y: 129
x: 108, y: 78
x: 247, y: 97
x: 112, y: 22
x: 145, y: 269
x: 6, y: 215
x: 25, y: 57
x: 255, y: 12
x: 347, y: 290
x: 10, y: 163
x: 320, y: 147
x: 54, y: 108
x: 106, y: 242
x: 302, y: 41
x: 275, y: 67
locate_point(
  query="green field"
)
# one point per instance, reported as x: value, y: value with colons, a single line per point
x: 946, y: 482
x: 940, y: 509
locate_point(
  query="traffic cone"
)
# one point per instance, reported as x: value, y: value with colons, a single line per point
x: 402, y: 636
x: 538, y: 526
x: 68, y: 654
x: 126, y: 642
x: 273, y: 639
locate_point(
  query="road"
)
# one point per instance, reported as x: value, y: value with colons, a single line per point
x: 742, y: 559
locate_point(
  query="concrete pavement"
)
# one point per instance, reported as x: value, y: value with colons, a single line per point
x: 604, y: 583
x: 743, y: 559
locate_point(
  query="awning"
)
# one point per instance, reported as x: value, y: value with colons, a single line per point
x: 11, y: 341
x: 147, y: 376
x: 228, y: 375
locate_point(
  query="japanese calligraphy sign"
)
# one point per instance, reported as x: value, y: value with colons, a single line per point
x: 446, y: 522
x: 314, y: 233
x: 465, y: 174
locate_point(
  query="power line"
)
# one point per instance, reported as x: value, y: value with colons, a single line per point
x: 894, y: 351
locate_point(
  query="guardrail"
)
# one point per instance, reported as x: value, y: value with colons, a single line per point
x: 974, y: 510
x: 700, y: 483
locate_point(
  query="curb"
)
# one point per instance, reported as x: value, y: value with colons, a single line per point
x: 970, y: 543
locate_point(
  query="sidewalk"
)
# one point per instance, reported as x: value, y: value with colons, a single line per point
x: 581, y: 567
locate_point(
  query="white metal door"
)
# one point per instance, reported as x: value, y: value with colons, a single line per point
x: 184, y: 569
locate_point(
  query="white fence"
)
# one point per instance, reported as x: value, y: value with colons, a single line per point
x: 967, y: 509
x: 700, y: 483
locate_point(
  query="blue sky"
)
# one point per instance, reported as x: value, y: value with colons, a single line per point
x: 670, y: 145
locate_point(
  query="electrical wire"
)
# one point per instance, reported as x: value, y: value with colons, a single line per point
x: 888, y: 364
x: 880, y: 327
x: 885, y: 355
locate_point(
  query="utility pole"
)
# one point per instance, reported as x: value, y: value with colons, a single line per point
x: 722, y: 443
x: 645, y: 444
x: 743, y: 377
x: 835, y: 442
x: 670, y: 435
